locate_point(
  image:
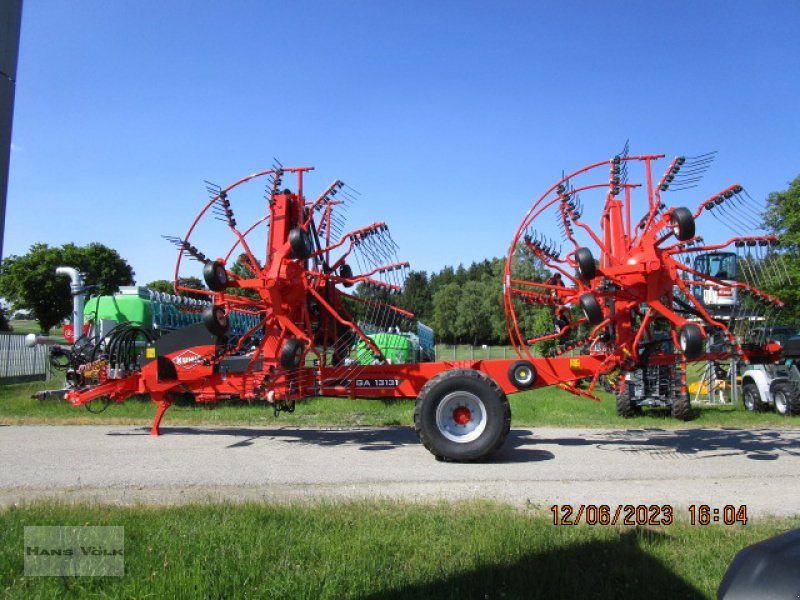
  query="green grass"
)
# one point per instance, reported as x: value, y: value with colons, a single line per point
x: 22, y: 326
x: 380, y: 550
x: 544, y: 407
x: 17, y: 406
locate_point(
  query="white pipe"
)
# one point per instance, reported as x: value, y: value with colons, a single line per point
x: 32, y: 340
x: 76, y: 288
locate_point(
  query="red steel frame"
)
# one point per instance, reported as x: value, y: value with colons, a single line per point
x: 644, y: 271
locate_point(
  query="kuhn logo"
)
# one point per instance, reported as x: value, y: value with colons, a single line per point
x: 188, y: 359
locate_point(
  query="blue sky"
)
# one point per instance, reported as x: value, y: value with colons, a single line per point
x: 449, y: 117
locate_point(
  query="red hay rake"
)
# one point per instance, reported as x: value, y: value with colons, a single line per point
x: 637, y: 283
x: 279, y: 325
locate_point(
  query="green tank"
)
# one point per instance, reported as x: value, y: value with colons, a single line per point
x: 120, y: 308
x: 397, y: 348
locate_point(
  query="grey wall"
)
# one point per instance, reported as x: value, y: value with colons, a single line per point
x: 10, y: 19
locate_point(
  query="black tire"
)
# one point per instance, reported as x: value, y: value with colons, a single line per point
x: 682, y: 407
x: 785, y: 398
x: 346, y: 272
x: 215, y: 275
x: 691, y: 340
x: 626, y: 407
x: 682, y: 222
x: 751, y: 398
x: 292, y: 353
x: 587, y: 268
x: 522, y: 374
x: 300, y: 243
x: 591, y: 308
x: 216, y: 321
x: 793, y: 406
x: 447, y: 403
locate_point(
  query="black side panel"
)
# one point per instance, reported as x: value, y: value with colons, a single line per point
x: 166, y: 369
x: 188, y: 337
x: 238, y: 364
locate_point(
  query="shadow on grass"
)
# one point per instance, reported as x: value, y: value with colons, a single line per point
x: 598, y: 569
x: 700, y: 443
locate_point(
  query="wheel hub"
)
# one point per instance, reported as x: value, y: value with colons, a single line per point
x: 462, y: 415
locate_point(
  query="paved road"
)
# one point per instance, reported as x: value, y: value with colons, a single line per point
x: 546, y: 466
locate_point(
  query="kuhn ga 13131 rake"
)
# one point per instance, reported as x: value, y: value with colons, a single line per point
x: 279, y: 325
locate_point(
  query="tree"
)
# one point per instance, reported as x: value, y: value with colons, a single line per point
x: 192, y: 283
x: 445, y: 308
x: 161, y: 285
x: 782, y: 218
x: 167, y: 287
x: 542, y: 324
x: 472, y: 318
x: 416, y: 296
x: 100, y: 265
x: 242, y: 271
x: 30, y: 280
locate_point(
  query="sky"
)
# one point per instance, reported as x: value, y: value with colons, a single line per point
x: 449, y: 117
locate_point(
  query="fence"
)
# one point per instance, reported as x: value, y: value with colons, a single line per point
x: 466, y: 352
x: 18, y: 363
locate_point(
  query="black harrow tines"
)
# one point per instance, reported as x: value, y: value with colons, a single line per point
x: 187, y: 248
x: 570, y: 201
x: 351, y: 191
x: 275, y: 180
x: 222, y: 210
x: 685, y: 172
x: 618, y: 171
x: 332, y: 203
x: 570, y: 210
x: 735, y: 209
x: 543, y: 246
x: 212, y: 188
x: 691, y: 249
x: 564, y: 225
x: 374, y: 251
x: 328, y: 195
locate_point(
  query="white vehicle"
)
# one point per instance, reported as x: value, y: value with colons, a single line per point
x: 723, y: 266
x: 764, y: 386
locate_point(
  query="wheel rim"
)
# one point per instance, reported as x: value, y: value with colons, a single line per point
x: 461, y: 417
x: 523, y: 375
x: 780, y: 402
x: 748, y: 400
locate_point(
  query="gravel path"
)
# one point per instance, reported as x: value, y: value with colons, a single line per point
x: 122, y: 464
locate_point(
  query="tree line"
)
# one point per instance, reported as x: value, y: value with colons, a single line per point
x: 461, y: 304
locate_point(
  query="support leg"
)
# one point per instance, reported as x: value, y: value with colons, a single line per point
x: 163, y: 402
